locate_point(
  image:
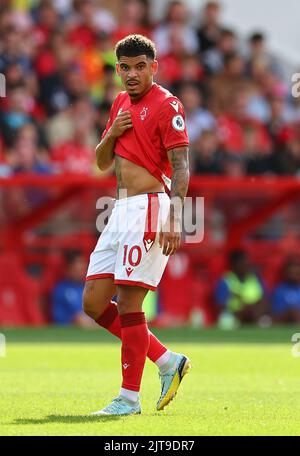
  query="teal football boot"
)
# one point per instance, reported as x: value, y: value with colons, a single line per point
x: 171, y: 379
x: 121, y: 406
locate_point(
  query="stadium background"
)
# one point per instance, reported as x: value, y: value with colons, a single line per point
x: 244, y: 127
x: 57, y: 57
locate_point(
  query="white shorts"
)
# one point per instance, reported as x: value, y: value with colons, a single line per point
x: 128, y: 249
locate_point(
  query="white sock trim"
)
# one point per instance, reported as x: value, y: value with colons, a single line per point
x: 163, y: 359
x: 129, y: 394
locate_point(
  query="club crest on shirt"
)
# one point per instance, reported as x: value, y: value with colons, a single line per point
x: 178, y: 123
x: 119, y: 112
x: 143, y: 113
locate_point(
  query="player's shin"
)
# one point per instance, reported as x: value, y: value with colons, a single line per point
x: 110, y: 320
x: 135, y: 345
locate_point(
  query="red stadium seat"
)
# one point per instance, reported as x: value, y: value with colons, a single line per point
x: 18, y: 295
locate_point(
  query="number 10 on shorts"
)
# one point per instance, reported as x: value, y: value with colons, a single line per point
x: 132, y: 255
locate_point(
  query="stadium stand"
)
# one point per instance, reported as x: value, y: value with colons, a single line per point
x: 244, y: 126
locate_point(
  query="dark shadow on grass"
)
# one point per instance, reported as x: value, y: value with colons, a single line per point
x: 66, y: 419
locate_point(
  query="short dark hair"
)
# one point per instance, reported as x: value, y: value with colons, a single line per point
x: 256, y: 37
x: 134, y: 45
x: 228, y: 32
x: 230, y: 56
x: 237, y: 255
x: 72, y: 255
x: 212, y: 4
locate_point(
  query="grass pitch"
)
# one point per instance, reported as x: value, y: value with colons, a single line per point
x: 244, y: 382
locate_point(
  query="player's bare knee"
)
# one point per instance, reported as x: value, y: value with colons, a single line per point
x: 88, y: 302
x: 126, y: 305
x: 122, y: 306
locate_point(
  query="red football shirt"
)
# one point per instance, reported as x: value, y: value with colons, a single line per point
x: 158, y: 125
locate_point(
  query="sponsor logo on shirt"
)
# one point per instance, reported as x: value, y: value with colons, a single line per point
x: 148, y: 244
x: 175, y: 105
x: 129, y: 271
x: 178, y: 123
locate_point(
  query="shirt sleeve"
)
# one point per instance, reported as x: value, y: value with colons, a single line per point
x: 172, y: 124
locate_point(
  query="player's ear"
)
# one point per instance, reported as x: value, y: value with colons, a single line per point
x: 118, y: 69
x: 154, y: 66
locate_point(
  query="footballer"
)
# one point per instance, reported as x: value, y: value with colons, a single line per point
x: 147, y: 140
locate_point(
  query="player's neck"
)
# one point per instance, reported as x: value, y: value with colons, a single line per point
x: 135, y: 100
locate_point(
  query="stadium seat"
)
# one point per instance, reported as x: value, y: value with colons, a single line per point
x: 19, y: 293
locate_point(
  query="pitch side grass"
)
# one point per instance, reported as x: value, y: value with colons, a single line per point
x: 243, y: 382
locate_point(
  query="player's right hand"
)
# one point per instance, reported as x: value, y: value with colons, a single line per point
x: 121, y: 123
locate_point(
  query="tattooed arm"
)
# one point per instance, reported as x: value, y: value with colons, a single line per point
x: 169, y: 238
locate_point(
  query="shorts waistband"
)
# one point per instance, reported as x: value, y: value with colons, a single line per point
x: 143, y: 197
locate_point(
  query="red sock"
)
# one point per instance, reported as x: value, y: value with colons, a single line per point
x: 110, y: 320
x: 135, y: 344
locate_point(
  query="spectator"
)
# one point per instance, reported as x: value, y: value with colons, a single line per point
x: 234, y: 123
x: 286, y: 156
x: 60, y: 128
x: 222, y: 85
x: 75, y: 156
x: 210, y: 29
x: 83, y: 33
x: 19, y: 103
x: 240, y: 294
x: 47, y: 22
x: 286, y: 296
x: 192, y: 70
x: 278, y: 117
x: 256, y: 161
x: 14, y: 49
x: 205, y: 154
x: 197, y: 118
x: 170, y: 69
x: 133, y: 19
x: 258, y: 52
x: 213, y: 59
x: 27, y: 156
x: 101, y: 19
x: 176, y: 21
x: 67, y: 294
x: 233, y: 165
x: 16, y: 77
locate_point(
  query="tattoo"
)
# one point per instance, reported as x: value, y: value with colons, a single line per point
x: 118, y: 173
x: 179, y: 160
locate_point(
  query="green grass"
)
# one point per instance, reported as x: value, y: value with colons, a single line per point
x: 243, y: 382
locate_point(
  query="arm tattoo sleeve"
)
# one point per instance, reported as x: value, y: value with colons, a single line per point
x: 178, y: 158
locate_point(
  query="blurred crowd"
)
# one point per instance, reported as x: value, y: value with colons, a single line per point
x: 59, y: 65
x: 240, y: 296
x: 243, y: 297
x: 58, y: 61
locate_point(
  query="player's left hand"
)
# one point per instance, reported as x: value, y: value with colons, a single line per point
x: 170, y: 237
